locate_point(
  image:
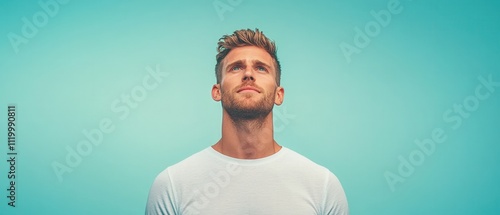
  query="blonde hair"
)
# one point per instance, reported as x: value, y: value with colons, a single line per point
x: 241, y: 38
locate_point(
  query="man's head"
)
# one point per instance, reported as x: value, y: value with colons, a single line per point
x: 242, y: 38
x: 247, y: 73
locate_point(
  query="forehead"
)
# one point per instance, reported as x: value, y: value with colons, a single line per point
x: 248, y: 54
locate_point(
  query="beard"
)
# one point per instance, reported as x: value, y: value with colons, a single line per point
x: 242, y: 107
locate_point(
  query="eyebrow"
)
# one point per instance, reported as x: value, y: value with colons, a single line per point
x: 242, y: 62
x: 238, y: 62
x: 260, y: 63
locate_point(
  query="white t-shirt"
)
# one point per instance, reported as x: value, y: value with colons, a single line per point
x: 211, y: 183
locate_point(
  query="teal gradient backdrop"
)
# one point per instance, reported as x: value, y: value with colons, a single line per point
x: 357, y: 111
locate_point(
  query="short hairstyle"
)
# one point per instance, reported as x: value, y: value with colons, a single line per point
x: 242, y: 38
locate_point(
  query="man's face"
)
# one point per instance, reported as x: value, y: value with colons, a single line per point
x: 248, y: 88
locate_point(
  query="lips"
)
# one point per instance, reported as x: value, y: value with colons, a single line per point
x: 248, y: 88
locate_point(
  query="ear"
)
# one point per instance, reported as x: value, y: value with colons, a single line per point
x: 216, y: 92
x: 280, y: 95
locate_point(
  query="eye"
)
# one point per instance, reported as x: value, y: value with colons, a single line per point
x: 261, y: 69
x: 236, y: 68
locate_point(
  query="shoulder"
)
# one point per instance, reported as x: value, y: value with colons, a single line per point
x: 165, y: 190
x: 306, y: 167
x: 189, y: 164
x: 302, y: 162
x: 322, y: 180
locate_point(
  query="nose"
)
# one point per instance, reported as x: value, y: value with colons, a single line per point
x: 248, y: 75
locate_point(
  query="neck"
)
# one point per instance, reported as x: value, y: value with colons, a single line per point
x: 247, y: 139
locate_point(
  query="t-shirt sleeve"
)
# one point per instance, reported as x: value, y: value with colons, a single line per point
x: 161, y: 199
x: 335, y: 201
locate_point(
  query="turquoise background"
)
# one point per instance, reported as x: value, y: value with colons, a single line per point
x: 355, y: 118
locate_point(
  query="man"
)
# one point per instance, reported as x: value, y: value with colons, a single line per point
x: 247, y: 171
